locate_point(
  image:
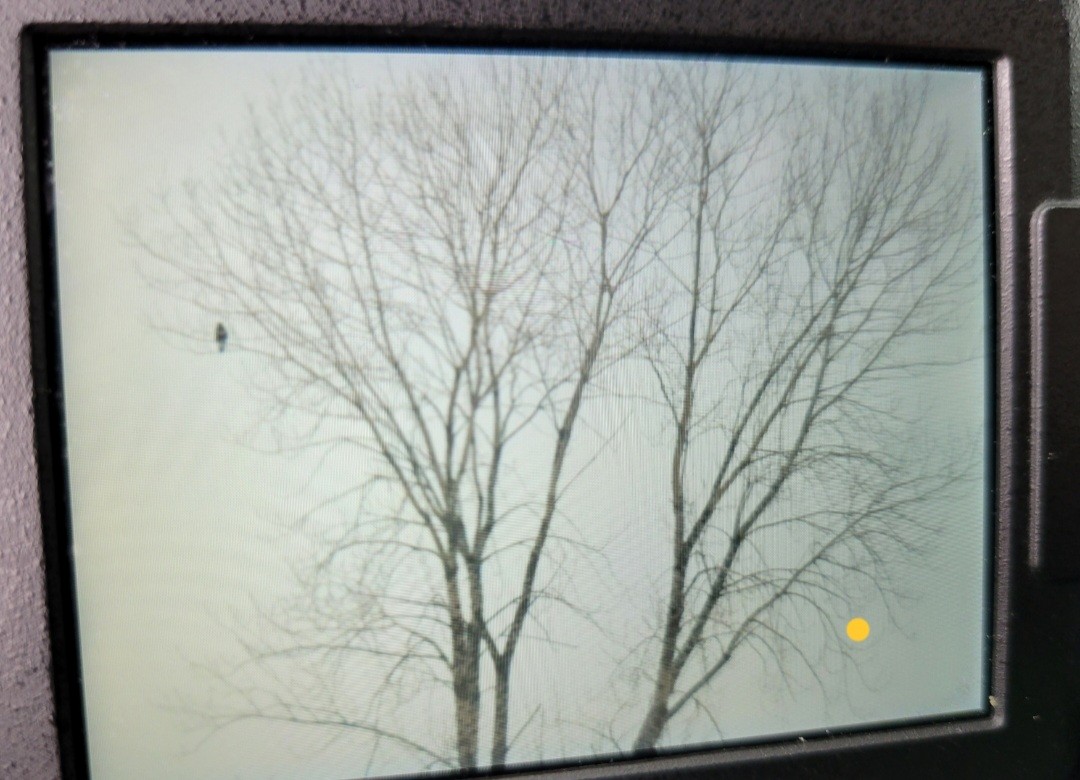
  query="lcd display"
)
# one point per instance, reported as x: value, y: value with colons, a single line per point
x: 436, y: 410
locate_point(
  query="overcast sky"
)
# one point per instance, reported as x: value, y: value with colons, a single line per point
x: 183, y: 518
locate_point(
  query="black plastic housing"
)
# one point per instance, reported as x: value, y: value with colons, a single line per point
x: 1032, y: 725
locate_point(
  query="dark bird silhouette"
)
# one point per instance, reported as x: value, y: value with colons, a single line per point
x: 221, y: 336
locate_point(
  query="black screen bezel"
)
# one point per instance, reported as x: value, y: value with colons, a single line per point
x: 843, y: 755
x: 61, y: 525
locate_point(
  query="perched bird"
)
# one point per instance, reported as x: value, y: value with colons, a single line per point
x: 221, y: 336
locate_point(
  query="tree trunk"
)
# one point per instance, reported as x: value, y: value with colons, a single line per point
x: 467, y: 694
x: 657, y: 716
x: 465, y: 640
x: 499, y: 745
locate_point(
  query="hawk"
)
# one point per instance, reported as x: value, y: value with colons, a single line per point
x: 221, y: 336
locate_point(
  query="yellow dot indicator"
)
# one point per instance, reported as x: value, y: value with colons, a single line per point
x: 858, y: 629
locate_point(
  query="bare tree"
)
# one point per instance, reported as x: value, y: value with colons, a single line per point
x: 824, y: 247
x: 437, y: 276
x: 434, y: 287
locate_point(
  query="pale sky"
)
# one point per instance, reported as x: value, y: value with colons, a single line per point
x: 183, y: 518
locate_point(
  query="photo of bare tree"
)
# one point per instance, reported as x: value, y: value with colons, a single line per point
x: 847, y: 290
x: 598, y: 387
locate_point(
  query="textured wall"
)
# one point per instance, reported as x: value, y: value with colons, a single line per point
x: 27, y: 736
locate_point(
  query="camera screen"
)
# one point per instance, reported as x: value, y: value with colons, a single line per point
x: 437, y: 410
